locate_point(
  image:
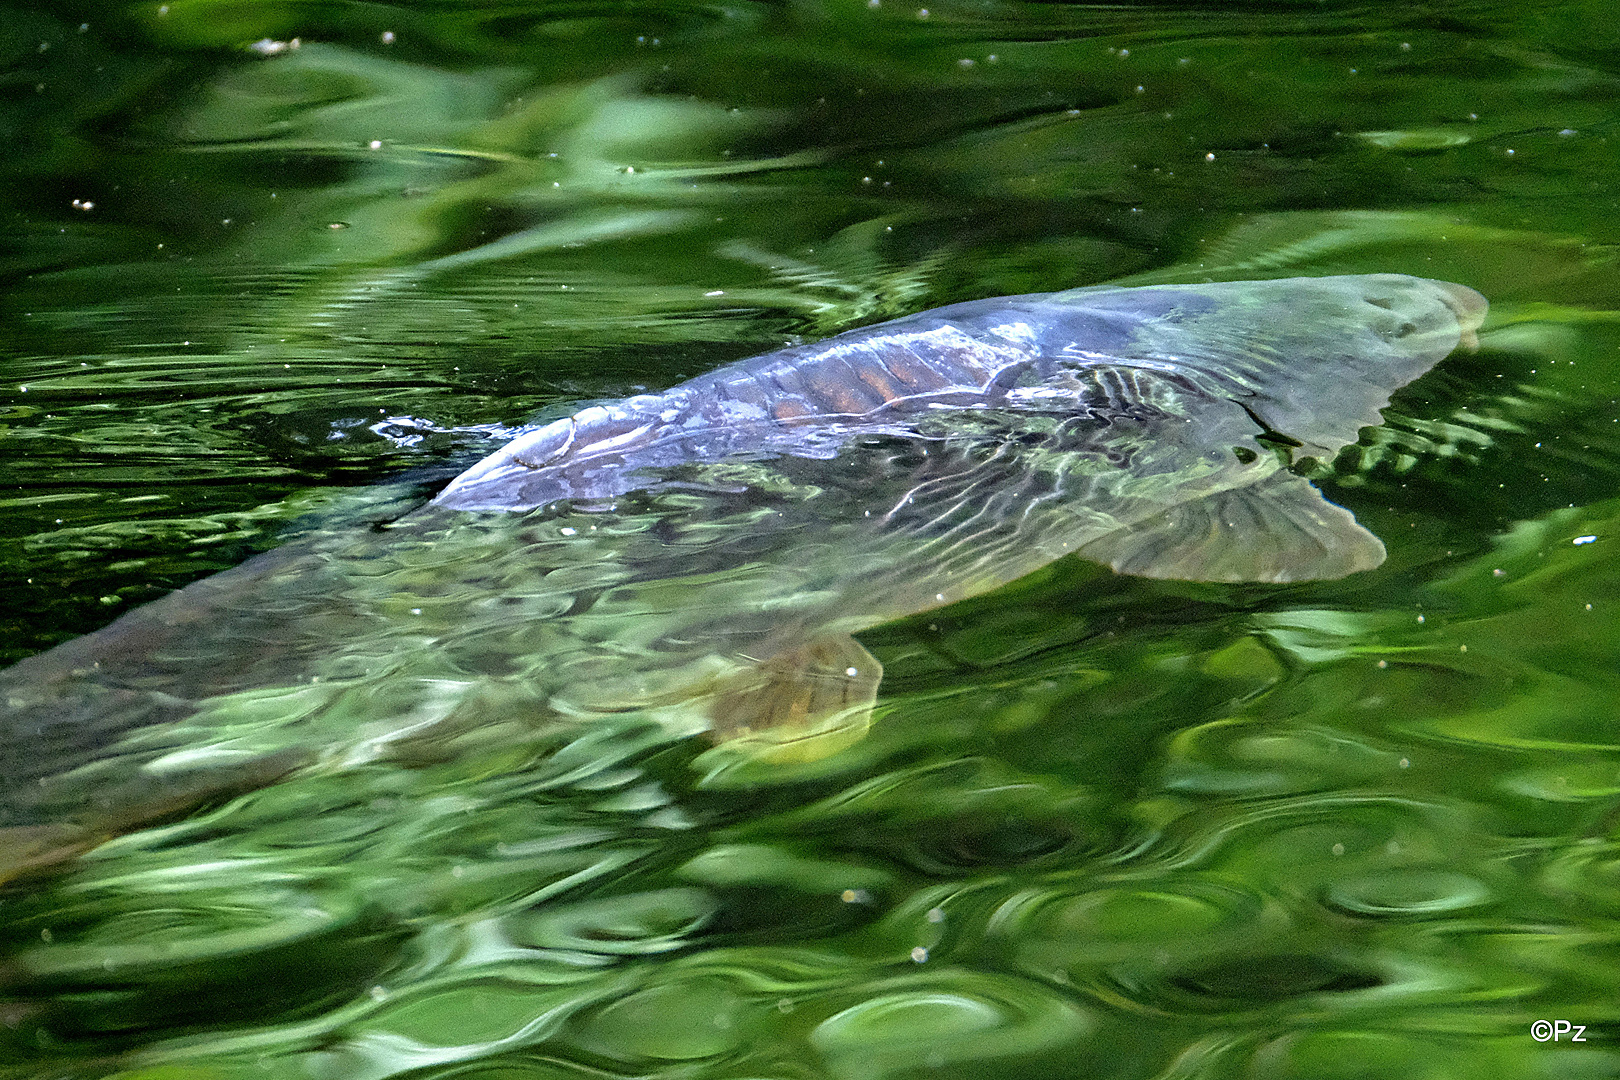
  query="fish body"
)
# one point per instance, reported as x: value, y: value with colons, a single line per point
x: 1277, y: 347
x: 703, y: 555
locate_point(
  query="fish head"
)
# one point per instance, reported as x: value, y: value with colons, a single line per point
x: 1310, y: 360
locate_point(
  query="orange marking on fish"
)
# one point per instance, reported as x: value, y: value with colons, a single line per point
x: 874, y: 374
x: 911, y: 370
x: 789, y: 409
x: 843, y: 395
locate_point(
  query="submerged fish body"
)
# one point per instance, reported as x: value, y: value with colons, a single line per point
x: 702, y: 555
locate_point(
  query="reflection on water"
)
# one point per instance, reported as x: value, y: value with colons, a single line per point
x: 1099, y: 826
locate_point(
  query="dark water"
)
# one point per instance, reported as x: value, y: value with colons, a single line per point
x: 1101, y: 826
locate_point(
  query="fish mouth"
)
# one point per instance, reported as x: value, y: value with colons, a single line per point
x: 1470, y: 307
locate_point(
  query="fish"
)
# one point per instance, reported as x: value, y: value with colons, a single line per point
x: 703, y: 557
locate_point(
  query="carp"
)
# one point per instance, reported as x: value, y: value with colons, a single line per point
x: 703, y: 556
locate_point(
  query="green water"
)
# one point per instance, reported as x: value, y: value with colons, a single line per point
x: 1100, y: 826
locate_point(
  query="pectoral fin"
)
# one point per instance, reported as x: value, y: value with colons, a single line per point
x: 1279, y: 529
x: 801, y: 704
